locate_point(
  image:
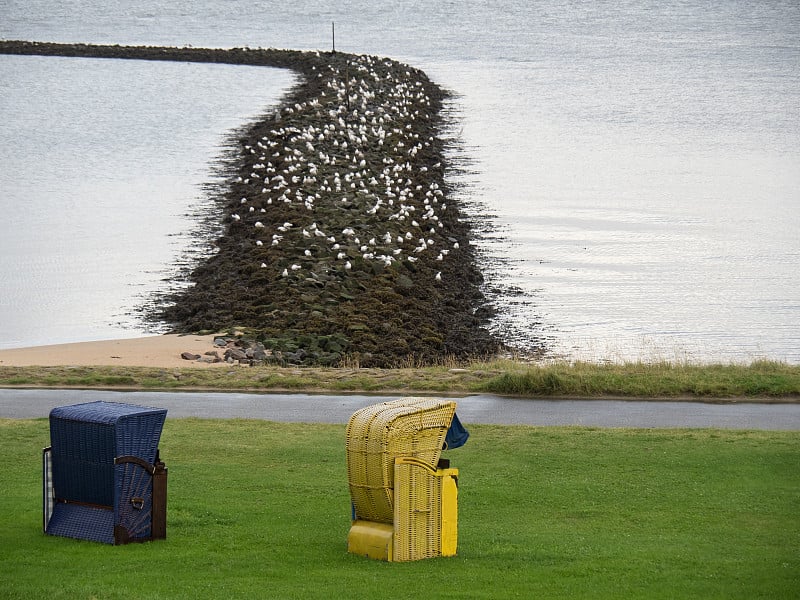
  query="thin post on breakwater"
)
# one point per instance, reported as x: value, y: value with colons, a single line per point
x: 333, y: 37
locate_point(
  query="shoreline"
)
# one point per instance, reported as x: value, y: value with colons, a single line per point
x: 154, y: 363
x: 147, y: 351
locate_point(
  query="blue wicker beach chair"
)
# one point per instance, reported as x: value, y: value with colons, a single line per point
x: 103, y: 478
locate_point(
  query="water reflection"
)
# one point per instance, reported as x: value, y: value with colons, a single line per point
x: 101, y: 167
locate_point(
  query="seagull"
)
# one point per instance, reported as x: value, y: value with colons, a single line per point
x: 439, y: 276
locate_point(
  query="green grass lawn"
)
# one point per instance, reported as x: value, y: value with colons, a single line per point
x: 261, y: 510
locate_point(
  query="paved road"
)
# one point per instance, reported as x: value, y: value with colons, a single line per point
x: 19, y: 404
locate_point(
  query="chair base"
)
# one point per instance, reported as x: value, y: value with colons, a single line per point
x: 373, y: 540
x: 140, y: 514
x: 425, y: 523
x: 81, y: 522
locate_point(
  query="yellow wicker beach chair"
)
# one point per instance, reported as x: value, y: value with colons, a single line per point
x: 404, y: 499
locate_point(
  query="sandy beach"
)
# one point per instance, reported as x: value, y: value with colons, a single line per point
x: 149, y: 351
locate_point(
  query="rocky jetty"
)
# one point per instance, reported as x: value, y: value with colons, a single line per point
x: 339, y: 238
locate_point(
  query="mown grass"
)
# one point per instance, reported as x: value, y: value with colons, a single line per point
x: 760, y: 379
x: 261, y: 510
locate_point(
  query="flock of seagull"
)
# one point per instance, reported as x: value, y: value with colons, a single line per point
x: 346, y: 177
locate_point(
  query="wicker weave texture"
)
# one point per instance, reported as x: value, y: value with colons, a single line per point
x: 85, y: 440
x: 89, y: 494
x: 134, y: 486
x: 82, y: 523
x: 377, y: 434
x: 417, y: 513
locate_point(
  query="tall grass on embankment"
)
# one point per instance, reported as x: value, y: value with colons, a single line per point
x: 762, y: 378
x: 261, y: 510
x: 759, y: 380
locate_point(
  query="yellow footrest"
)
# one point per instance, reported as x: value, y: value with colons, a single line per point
x: 373, y: 540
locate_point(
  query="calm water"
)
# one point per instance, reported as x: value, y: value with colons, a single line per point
x: 101, y: 165
x: 640, y: 161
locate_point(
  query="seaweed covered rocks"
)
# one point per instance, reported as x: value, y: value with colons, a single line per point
x: 339, y: 239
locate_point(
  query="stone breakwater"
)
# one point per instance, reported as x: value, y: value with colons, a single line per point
x: 339, y: 238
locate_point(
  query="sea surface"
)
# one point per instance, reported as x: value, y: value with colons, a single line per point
x: 634, y: 166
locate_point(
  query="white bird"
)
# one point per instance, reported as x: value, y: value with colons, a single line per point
x: 347, y: 265
x: 439, y: 276
x: 285, y: 273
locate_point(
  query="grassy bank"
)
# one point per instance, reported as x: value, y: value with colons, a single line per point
x: 260, y: 510
x: 758, y: 380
